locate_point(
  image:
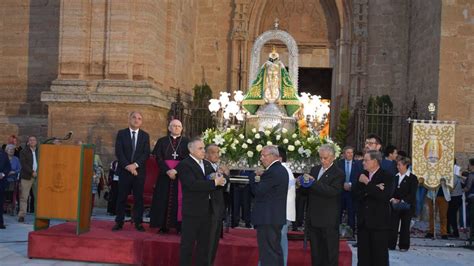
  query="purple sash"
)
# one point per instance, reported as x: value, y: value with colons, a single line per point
x: 172, y: 164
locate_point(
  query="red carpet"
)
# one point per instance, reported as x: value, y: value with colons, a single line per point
x: 239, y: 246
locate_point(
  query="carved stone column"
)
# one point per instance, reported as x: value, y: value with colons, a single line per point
x: 239, y: 37
x: 358, y: 78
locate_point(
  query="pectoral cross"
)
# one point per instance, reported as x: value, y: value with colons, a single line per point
x: 175, y: 155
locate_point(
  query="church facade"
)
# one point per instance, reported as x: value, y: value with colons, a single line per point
x: 82, y: 65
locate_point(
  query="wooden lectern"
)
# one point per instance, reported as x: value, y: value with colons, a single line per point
x: 64, y: 189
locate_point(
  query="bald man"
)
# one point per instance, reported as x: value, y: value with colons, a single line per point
x: 169, y: 151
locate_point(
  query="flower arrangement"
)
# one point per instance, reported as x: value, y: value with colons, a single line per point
x: 243, y: 151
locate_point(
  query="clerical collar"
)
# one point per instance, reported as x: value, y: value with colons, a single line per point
x: 175, y: 137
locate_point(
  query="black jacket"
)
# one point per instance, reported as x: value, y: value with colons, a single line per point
x: 196, y: 187
x: 406, y: 191
x: 374, y: 204
x: 324, y: 204
x: 270, y: 196
x: 123, y: 151
x: 26, y: 162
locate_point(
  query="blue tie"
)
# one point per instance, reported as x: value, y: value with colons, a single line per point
x: 348, y: 171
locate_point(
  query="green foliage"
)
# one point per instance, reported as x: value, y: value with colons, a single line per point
x: 342, y: 127
x: 202, y: 95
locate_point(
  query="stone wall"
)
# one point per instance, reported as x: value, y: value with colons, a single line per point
x: 28, y: 64
x: 456, y: 76
x: 424, y: 52
x: 213, y: 44
x: 387, y: 54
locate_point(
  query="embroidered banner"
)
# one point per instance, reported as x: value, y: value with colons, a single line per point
x: 433, y: 152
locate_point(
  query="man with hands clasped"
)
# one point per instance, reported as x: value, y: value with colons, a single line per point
x: 197, y: 204
x: 373, y: 192
x: 132, y: 149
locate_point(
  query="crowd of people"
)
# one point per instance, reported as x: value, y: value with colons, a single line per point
x: 374, y: 192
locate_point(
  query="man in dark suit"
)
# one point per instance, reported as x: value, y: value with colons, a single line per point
x: 132, y: 149
x: 197, y: 206
x: 217, y: 200
x: 373, y: 192
x: 5, y: 168
x: 351, y: 173
x: 269, y: 210
x: 324, y: 201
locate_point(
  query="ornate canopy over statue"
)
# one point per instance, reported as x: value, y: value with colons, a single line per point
x: 272, y: 96
x: 272, y: 86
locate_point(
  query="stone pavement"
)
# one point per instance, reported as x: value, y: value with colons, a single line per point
x: 13, y: 247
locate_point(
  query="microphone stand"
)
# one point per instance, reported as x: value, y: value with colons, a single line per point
x: 52, y: 139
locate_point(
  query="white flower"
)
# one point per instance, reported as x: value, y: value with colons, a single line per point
x: 294, y: 135
x: 297, y: 143
x: 300, y: 150
x: 310, y: 139
x: 244, y: 146
x: 269, y: 143
x: 291, y: 148
x: 308, y: 152
x: 233, y: 146
x: 267, y: 132
x: 257, y: 136
x: 228, y: 129
x: 218, y: 139
x: 284, y: 130
x: 278, y: 137
x: 236, y: 141
x: 254, y: 130
x: 250, y: 154
x: 241, y: 136
x: 285, y: 141
x: 223, y: 150
x: 249, y: 141
x: 259, y: 147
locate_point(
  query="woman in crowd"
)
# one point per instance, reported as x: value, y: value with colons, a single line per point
x: 403, y: 205
x: 12, y: 177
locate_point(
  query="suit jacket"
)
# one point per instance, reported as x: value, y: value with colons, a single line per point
x: 389, y: 167
x: 406, y: 191
x: 217, y: 198
x: 5, y: 166
x: 374, y: 203
x: 196, y: 188
x: 355, y: 170
x: 270, y: 196
x: 123, y: 151
x: 324, y: 201
x: 26, y: 162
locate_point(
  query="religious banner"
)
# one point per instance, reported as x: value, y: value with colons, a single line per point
x: 433, y: 152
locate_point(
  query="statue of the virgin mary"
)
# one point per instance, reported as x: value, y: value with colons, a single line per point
x: 272, y: 86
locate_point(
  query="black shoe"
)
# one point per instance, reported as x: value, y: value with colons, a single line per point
x: 117, y: 226
x: 2, y: 226
x: 444, y: 237
x: 248, y: 225
x: 21, y: 219
x: 163, y: 231
x: 429, y: 235
x: 140, y: 227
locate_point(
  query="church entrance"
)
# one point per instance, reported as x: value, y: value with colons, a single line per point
x: 315, y: 80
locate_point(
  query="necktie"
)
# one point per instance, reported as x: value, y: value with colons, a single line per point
x: 134, y: 145
x: 348, y: 171
x: 321, y: 172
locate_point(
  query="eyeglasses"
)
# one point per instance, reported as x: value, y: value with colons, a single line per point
x: 371, y: 142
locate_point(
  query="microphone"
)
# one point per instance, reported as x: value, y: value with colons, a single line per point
x: 68, y: 136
